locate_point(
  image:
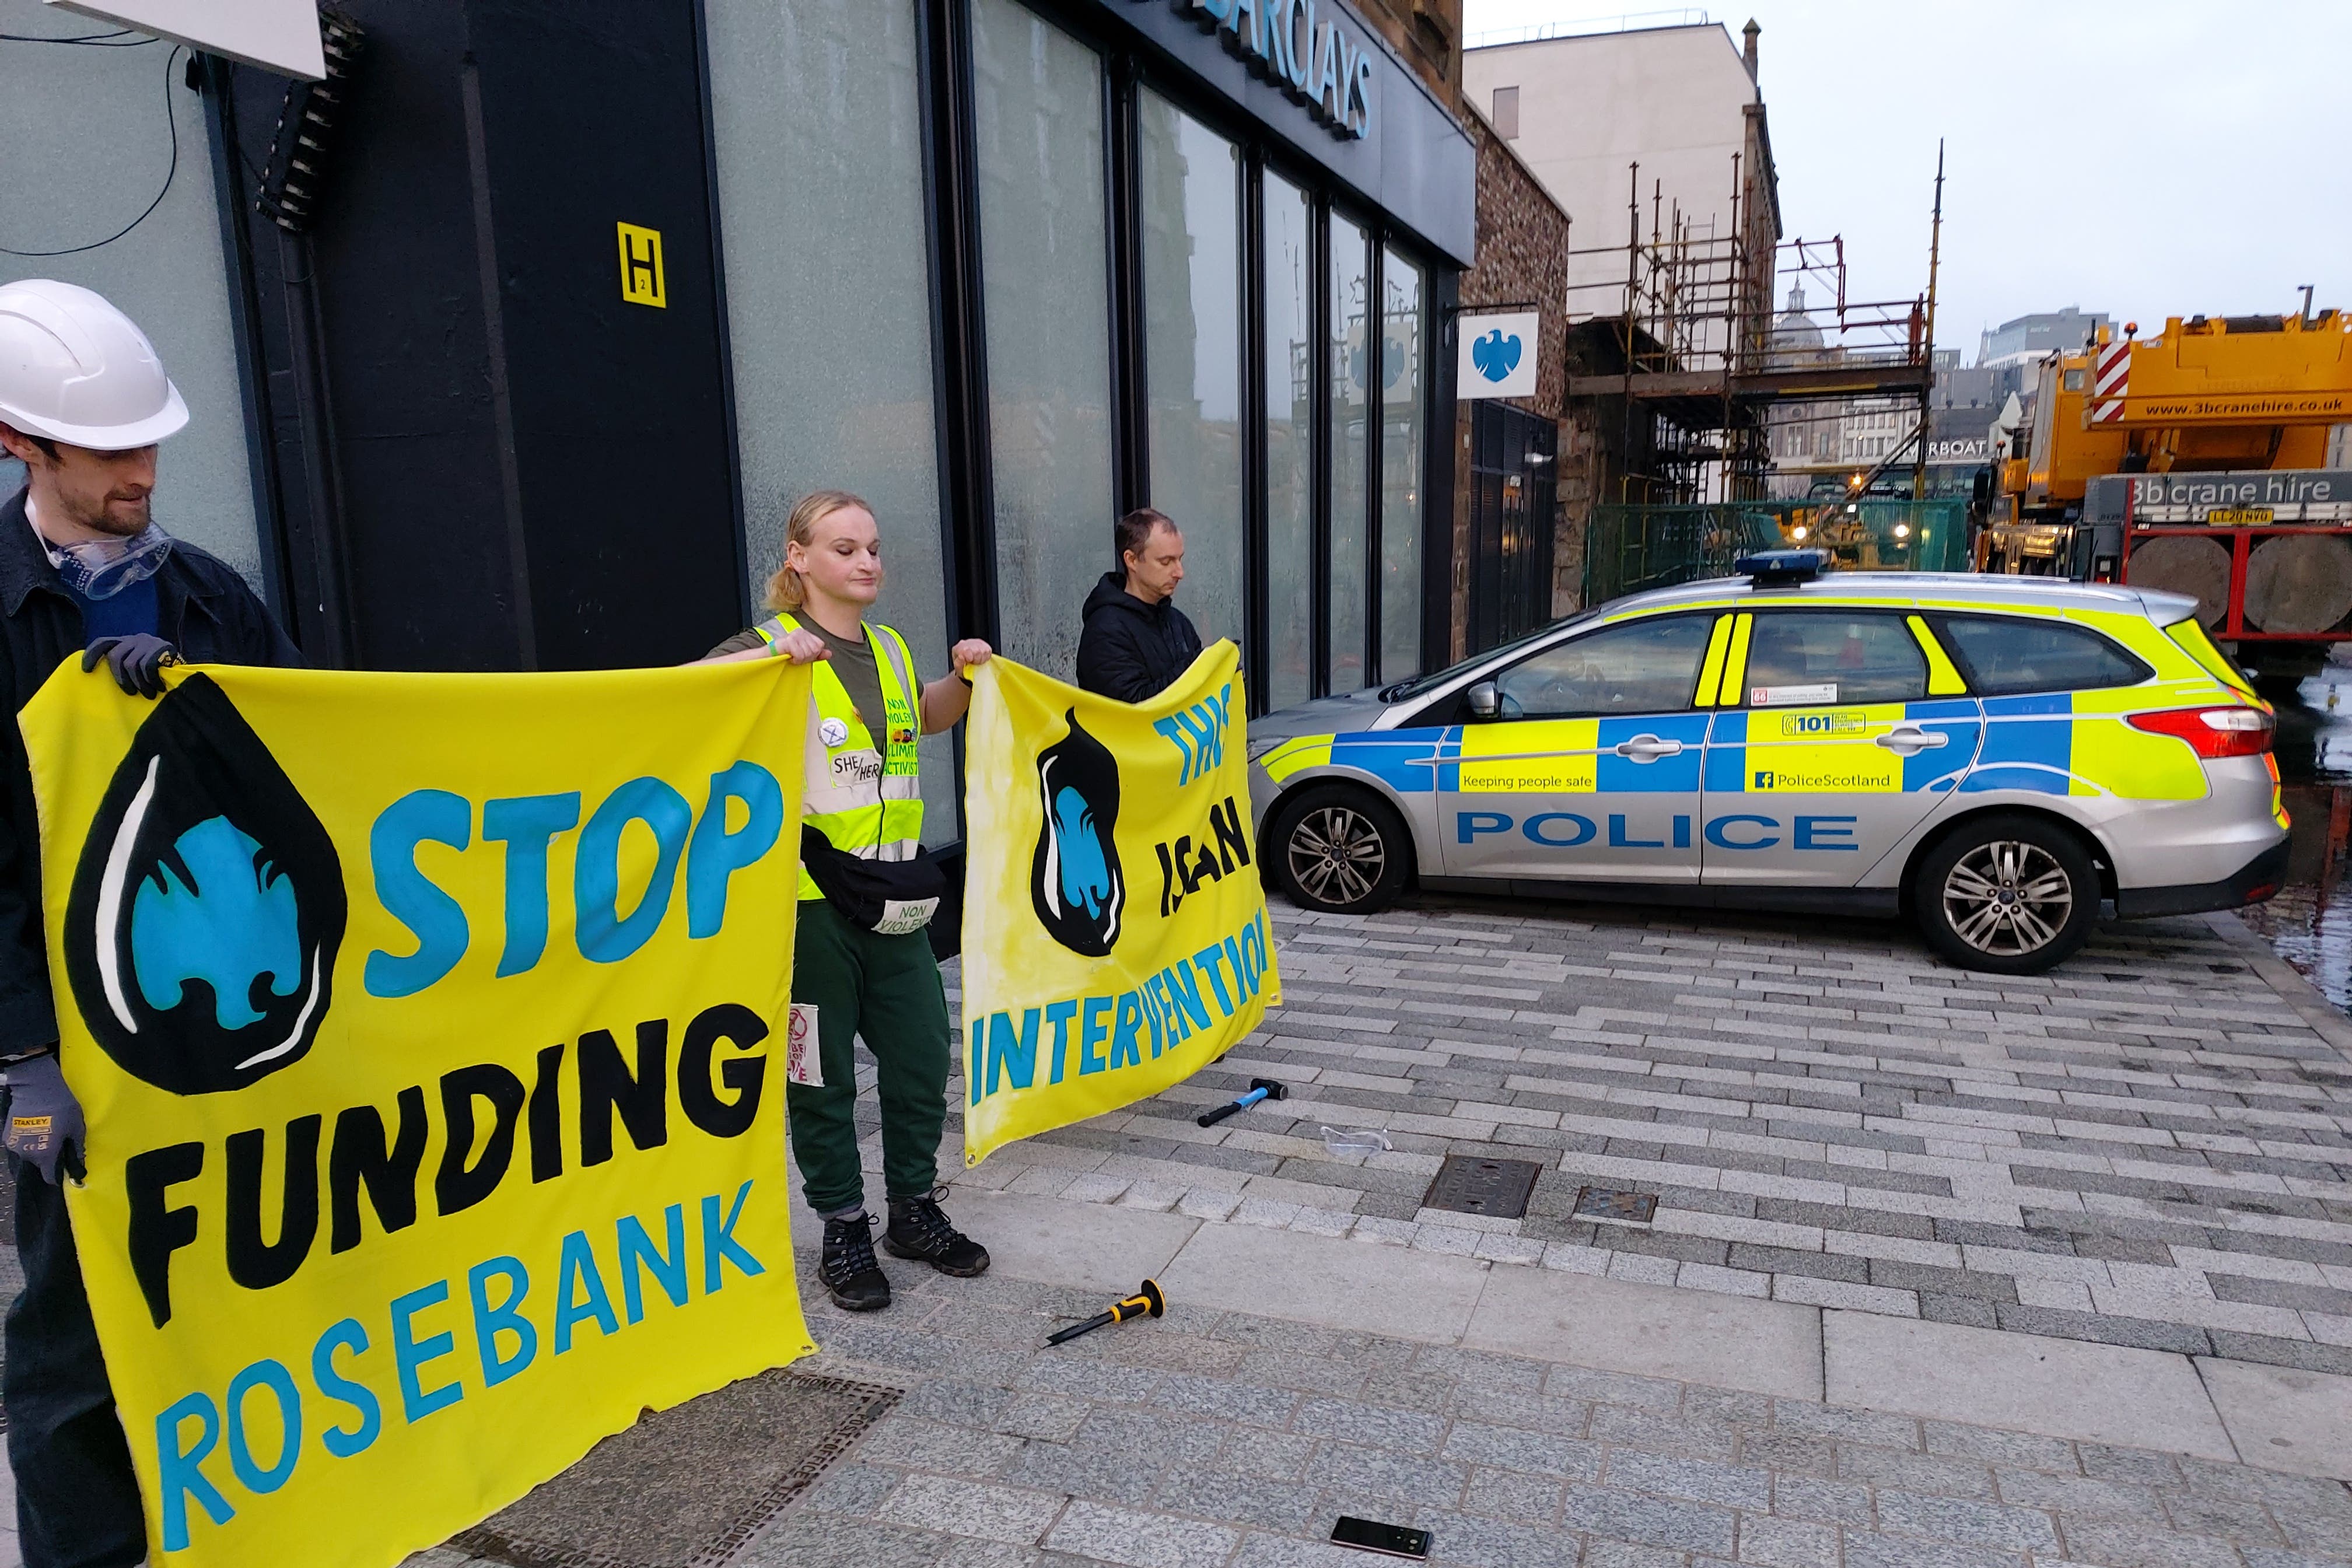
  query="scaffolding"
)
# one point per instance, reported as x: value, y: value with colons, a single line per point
x: 1697, y: 357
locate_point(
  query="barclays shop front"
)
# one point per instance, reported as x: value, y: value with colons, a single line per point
x: 1191, y: 254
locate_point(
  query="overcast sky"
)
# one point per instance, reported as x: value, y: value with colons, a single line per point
x: 2142, y: 157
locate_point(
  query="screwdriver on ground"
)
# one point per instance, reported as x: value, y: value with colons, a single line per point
x: 1260, y: 1088
x: 1146, y: 1301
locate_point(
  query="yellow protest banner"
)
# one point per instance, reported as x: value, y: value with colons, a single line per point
x: 425, y: 1026
x: 1115, y: 933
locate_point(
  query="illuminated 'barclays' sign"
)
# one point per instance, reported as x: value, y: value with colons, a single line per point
x: 1312, y: 59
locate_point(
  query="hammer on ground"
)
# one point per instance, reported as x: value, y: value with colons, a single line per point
x: 1260, y: 1088
x: 1145, y: 1302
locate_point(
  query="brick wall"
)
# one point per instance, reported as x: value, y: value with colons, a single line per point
x: 1523, y: 238
x: 1428, y: 34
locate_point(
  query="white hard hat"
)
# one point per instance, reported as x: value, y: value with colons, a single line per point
x: 75, y: 369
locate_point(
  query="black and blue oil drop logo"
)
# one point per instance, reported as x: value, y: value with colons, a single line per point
x: 1075, y: 879
x: 207, y: 907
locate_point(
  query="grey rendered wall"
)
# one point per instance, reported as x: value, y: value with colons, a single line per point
x: 83, y: 147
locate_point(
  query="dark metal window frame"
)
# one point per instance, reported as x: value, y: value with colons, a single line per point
x: 1329, y: 207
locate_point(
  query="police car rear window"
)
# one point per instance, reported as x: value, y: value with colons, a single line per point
x: 2008, y: 657
x: 1801, y: 657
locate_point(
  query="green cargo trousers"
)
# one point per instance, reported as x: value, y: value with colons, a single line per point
x: 887, y: 989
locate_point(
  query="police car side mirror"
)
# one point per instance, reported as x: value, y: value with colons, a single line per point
x: 1484, y: 700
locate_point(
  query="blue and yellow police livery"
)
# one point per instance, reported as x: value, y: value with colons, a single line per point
x: 1997, y: 756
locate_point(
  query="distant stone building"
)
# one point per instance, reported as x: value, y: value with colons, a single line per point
x: 1427, y: 34
x: 2028, y: 339
x: 1656, y: 135
x: 1802, y: 434
x: 1681, y: 101
x: 1819, y: 448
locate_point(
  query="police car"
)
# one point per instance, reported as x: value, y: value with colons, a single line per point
x: 1996, y: 757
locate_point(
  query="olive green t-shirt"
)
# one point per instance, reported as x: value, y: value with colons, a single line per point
x: 852, y: 662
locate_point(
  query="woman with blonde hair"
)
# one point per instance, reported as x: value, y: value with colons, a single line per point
x: 860, y: 957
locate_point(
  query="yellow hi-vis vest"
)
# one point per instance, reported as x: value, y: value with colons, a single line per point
x: 863, y: 797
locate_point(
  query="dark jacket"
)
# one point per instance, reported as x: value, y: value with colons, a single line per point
x: 202, y: 607
x: 1129, y: 649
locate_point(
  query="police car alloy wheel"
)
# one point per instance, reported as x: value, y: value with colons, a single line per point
x: 2006, y: 894
x: 1340, y: 849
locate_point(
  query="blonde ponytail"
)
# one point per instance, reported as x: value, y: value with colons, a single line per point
x: 786, y: 593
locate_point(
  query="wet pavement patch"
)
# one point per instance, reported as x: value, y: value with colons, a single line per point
x: 1472, y: 1183
x: 688, y: 1487
x: 2309, y: 922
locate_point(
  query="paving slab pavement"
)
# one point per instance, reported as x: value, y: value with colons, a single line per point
x: 1693, y: 1336
x: 1217, y: 1438
x: 2058, y: 1388
x: 1037, y: 1238
x: 2150, y: 1147
x: 1846, y: 1141
x: 2283, y: 1419
x: 1333, y: 1283
x: 2027, y: 1382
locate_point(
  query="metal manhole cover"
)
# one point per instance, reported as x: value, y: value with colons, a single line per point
x: 1602, y: 1203
x: 1471, y: 1183
x: 688, y: 1487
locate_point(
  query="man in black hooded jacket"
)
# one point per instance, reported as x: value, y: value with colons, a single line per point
x: 1136, y: 641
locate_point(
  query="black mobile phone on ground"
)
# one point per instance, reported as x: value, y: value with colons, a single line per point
x: 1369, y: 1535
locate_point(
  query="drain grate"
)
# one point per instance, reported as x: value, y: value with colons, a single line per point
x: 688, y: 1487
x: 1604, y: 1203
x: 1469, y: 1183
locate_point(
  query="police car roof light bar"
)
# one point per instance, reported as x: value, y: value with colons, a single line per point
x: 1780, y: 568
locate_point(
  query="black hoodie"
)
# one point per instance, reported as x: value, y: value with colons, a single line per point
x: 1131, y: 650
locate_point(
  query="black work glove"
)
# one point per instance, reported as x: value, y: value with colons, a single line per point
x: 44, y: 1125
x: 137, y: 662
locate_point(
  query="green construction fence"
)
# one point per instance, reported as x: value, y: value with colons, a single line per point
x: 1632, y: 548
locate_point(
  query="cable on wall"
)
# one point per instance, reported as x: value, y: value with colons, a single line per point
x: 172, y: 121
x: 121, y: 38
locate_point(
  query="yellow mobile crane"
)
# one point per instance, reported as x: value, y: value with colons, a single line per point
x: 2209, y: 460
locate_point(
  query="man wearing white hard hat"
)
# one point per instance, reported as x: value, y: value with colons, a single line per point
x: 83, y: 570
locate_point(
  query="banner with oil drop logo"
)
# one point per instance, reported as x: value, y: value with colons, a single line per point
x: 430, y: 1031
x: 1114, y: 931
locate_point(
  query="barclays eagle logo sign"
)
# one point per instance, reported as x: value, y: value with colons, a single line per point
x: 1494, y: 355
x: 207, y: 907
